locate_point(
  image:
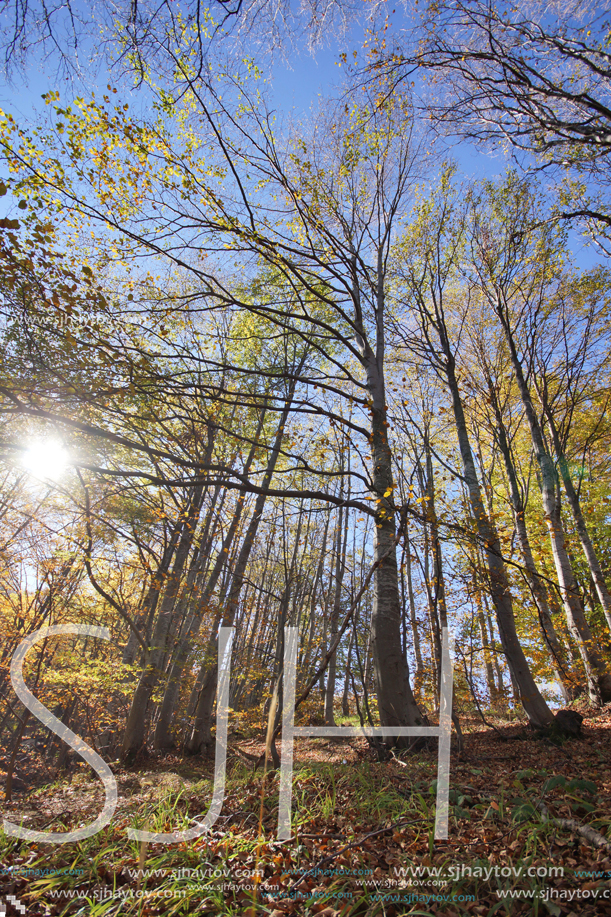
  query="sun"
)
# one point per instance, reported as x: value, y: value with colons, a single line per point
x: 46, y: 459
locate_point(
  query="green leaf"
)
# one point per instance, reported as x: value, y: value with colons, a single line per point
x: 584, y: 786
x: 552, y: 782
x: 523, y: 812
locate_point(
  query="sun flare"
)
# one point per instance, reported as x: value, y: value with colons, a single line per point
x: 46, y: 460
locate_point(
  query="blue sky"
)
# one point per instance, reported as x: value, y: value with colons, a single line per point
x: 296, y: 86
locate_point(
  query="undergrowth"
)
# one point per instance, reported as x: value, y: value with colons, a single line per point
x: 362, y: 839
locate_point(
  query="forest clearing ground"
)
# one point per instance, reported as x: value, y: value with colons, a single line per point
x: 363, y: 833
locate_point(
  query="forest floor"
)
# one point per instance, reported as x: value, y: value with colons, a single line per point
x: 528, y: 829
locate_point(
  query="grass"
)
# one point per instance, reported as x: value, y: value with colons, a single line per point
x: 344, y: 855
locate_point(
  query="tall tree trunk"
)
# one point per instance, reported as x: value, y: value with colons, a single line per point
x: 200, y: 738
x: 599, y: 679
x: 149, y: 603
x: 438, y: 584
x: 580, y: 523
x: 145, y: 619
x: 135, y: 728
x: 430, y: 606
x: 492, y: 688
x: 496, y: 657
x: 419, y: 674
x: 314, y: 596
x: 252, y: 647
x: 396, y: 703
x: 340, y: 567
x: 347, y: 677
x: 163, y: 738
x: 533, y: 703
x: 564, y: 676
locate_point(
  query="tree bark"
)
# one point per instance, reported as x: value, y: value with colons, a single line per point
x: 533, y: 703
x: 564, y: 676
x: 149, y: 603
x: 135, y: 729
x: 347, y: 677
x: 580, y: 523
x: 598, y: 677
x: 340, y: 567
x: 396, y: 703
x: 163, y: 738
x: 419, y: 674
x: 200, y: 737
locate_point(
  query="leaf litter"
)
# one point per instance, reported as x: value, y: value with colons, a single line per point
x: 527, y: 817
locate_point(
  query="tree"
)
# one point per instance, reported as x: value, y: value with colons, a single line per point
x: 325, y: 223
x: 514, y: 265
x: 265, y: 373
x: 528, y: 76
x: 134, y: 33
x: 429, y: 258
x: 571, y: 369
